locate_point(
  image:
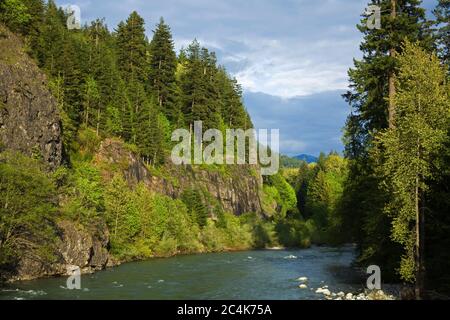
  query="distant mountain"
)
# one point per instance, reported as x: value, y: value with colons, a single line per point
x: 295, y: 162
x: 306, y: 157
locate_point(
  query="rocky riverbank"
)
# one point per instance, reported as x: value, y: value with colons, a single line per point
x: 329, y: 295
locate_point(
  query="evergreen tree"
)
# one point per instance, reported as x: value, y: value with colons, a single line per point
x: 199, y: 86
x: 91, y: 103
x: 122, y: 103
x: 51, y: 39
x: 163, y: 65
x: 15, y: 15
x: 411, y: 147
x: 372, y: 90
x: 139, y: 103
x: 132, y: 49
x: 442, y: 13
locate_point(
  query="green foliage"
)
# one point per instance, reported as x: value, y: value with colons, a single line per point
x: 319, y: 190
x: 363, y: 200
x: 288, y: 162
x: 194, y: 201
x: 442, y: 13
x: 27, y: 210
x: 83, y: 190
x: 14, y: 14
x: 422, y: 114
x: 293, y: 233
x: 281, y: 192
x: 163, y: 65
x: 132, y: 49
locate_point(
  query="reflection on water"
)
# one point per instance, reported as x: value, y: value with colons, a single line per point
x: 239, y: 275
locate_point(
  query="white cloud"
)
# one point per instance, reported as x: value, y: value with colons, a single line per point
x: 288, y: 68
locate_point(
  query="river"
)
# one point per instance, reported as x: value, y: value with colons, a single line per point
x: 260, y: 275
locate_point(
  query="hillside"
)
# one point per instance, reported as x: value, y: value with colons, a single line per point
x: 80, y: 189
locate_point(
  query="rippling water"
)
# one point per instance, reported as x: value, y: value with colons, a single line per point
x: 239, y: 275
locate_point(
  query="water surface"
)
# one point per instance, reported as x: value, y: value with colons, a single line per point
x: 265, y: 274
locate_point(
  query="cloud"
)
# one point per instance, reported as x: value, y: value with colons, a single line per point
x: 307, y: 124
x: 291, y: 56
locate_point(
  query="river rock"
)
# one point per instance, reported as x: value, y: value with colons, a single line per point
x: 349, y: 296
x: 303, y: 286
x: 302, y: 279
x: 326, y: 292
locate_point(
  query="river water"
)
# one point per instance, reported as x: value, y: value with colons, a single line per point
x: 265, y: 274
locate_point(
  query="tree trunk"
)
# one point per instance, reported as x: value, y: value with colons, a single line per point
x: 417, y: 249
x: 392, y: 54
x: 87, y: 115
x: 98, y: 120
x: 420, y: 235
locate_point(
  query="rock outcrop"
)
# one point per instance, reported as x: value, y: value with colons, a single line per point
x: 30, y: 123
x: 75, y: 246
x: 238, y: 189
x: 29, y: 119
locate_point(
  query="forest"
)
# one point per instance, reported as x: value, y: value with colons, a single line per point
x: 390, y: 195
x: 120, y: 85
x: 389, y: 192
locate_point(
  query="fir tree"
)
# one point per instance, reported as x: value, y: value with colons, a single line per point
x: 163, y: 65
x: 132, y: 48
x: 373, y: 109
x: 442, y: 13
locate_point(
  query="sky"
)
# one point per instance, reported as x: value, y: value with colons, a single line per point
x: 290, y: 56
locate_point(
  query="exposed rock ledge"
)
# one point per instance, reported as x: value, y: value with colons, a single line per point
x: 238, y: 190
x: 75, y: 246
x: 29, y: 117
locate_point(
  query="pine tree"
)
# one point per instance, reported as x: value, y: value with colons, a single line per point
x: 442, y: 13
x: 138, y: 101
x: 15, y: 15
x: 122, y: 103
x: 372, y: 89
x: 198, y: 83
x: 163, y: 65
x: 411, y: 147
x: 132, y: 49
x: 91, y: 103
x: 51, y: 39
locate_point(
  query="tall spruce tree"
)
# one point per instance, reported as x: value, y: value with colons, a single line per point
x: 200, y: 88
x: 163, y: 66
x: 132, y: 49
x: 372, y: 110
x: 442, y: 13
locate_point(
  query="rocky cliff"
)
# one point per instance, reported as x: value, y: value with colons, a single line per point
x: 30, y: 123
x: 238, y: 189
x: 75, y: 246
x: 29, y: 120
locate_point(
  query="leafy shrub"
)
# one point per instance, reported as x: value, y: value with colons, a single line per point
x: 27, y: 209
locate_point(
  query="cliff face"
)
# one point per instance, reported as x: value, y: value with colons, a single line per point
x: 238, y: 189
x: 30, y: 123
x: 75, y: 246
x: 29, y: 120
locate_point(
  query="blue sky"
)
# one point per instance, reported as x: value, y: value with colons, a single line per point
x: 291, y: 56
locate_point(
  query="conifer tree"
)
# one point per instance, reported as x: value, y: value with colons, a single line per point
x: 132, y: 49
x: 442, y: 13
x: 163, y: 65
x: 372, y: 111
